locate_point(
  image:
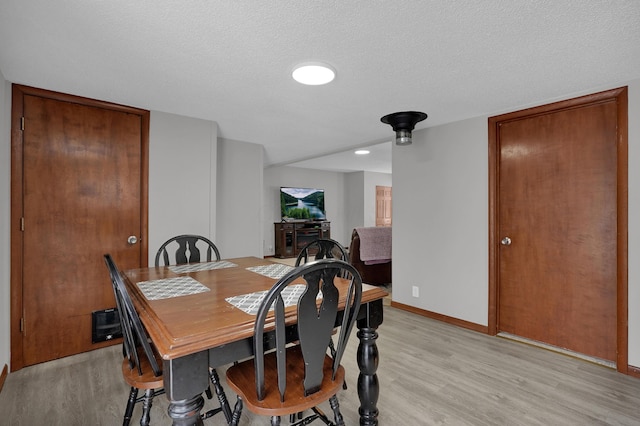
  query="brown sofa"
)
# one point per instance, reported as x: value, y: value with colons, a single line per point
x: 375, y: 274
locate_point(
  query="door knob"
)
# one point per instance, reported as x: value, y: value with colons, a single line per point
x: 132, y: 239
x: 506, y: 241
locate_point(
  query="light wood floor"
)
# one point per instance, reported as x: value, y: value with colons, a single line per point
x: 430, y: 373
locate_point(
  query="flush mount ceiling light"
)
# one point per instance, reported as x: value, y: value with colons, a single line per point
x: 362, y: 152
x: 313, y: 73
x: 403, y: 123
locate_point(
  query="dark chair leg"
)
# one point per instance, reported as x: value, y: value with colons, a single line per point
x: 332, y: 348
x: 146, y: 407
x: 237, y: 411
x: 128, y: 412
x: 222, y: 397
x: 318, y: 415
x: 296, y: 416
x: 275, y: 420
x: 335, y: 406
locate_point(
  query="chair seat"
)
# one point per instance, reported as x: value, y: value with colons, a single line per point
x: 241, y: 378
x: 148, y: 380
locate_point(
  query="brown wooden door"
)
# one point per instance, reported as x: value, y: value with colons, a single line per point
x: 558, y: 225
x: 383, y: 206
x: 82, y: 184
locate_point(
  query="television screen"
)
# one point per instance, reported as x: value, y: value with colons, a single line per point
x: 302, y: 203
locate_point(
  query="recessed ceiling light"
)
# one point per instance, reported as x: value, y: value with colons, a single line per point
x: 362, y: 152
x: 313, y: 73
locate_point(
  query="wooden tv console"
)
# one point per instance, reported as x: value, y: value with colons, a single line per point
x: 291, y: 237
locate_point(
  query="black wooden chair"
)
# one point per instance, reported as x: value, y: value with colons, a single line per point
x: 323, y: 248
x: 295, y: 378
x: 141, y: 367
x: 187, y: 250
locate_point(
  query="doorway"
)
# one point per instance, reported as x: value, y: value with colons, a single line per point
x: 79, y: 190
x: 383, y: 206
x: 558, y: 225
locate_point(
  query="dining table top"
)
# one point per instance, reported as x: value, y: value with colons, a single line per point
x: 195, y: 307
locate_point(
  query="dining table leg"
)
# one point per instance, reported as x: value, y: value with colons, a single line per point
x: 368, y: 357
x: 186, y: 412
x: 185, y: 379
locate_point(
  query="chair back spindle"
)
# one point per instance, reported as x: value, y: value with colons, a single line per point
x: 324, y: 248
x: 186, y: 250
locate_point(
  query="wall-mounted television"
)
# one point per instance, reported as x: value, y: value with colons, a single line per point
x: 302, y: 203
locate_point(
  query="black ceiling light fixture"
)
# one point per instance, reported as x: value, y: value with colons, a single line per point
x: 403, y: 123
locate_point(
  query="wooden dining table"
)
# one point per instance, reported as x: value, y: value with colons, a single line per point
x: 200, y: 316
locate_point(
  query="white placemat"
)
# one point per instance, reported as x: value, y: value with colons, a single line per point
x: 276, y: 270
x: 250, y: 303
x: 171, y: 287
x: 195, y: 267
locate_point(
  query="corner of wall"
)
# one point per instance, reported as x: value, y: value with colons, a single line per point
x: 213, y: 194
x: 5, y: 197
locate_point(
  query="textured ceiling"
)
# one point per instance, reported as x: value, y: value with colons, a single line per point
x: 230, y: 61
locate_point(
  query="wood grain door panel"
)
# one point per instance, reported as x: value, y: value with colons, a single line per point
x: 383, y: 206
x: 560, y: 188
x: 558, y: 206
x: 83, y: 190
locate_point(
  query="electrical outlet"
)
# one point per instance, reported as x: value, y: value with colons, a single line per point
x: 415, y: 291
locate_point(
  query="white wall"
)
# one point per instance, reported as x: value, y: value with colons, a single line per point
x: 355, y: 199
x: 240, y: 211
x: 5, y: 210
x: 182, y: 178
x: 440, y: 219
x: 360, y: 197
x: 334, y: 199
x: 440, y: 215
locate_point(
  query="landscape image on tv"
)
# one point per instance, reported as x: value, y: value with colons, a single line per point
x: 302, y: 203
